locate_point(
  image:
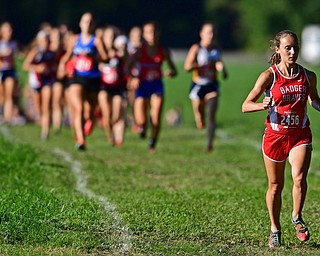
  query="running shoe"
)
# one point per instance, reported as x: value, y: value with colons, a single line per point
x: 275, y: 239
x: 142, y: 132
x: 117, y: 143
x: 87, y: 129
x: 135, y: 128
x: 44, y: 137
x: 152, y: 145
x: 209, y: 149
x: 80, y: 146
x: 201, y: 126
x: 152, y: 150
x: 302, y: 230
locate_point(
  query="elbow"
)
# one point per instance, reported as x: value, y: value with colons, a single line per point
x: 187, y: 68
x: 244, y: 108
x: 315, y: 104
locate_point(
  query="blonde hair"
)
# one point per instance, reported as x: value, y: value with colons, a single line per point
x: 275, y: 43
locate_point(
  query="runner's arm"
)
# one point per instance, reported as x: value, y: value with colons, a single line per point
x: 172, y: 72
x: 190, y: 62
x: 250, y: 104
x: 314, y: 99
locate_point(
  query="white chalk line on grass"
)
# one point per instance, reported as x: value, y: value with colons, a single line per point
x: 82, y: 187
x: 81, y: 182
x: 223, y: 135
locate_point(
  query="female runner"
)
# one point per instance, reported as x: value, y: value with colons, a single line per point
x: 8, y: 51
x: 87, y: 49
x: 287, y: 87
x: 204, y: 60
x: 111, y: 95
x: 40, y: 62
x: 148, y: 83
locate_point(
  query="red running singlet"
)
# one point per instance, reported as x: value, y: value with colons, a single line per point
x: 151, y: 65
x: 288, y: 111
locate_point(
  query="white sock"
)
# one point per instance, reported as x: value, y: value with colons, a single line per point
x: 294, y: 217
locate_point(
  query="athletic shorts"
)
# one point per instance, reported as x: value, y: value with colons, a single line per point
x: 66, y: 82
x: 277, y: 146
x: 4, y: 74
x: 198, y: 92
x: 37, y: 82
x: 113, y: 91
x: 89, y: 84
x: 146, y: 89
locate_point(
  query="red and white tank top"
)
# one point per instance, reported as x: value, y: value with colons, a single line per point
x: 150, y: 66
x: 288, y: 111
x: 112, y: 72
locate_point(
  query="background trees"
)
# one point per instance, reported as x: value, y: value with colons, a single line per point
x: 250, y: 24
x: 242, y: 24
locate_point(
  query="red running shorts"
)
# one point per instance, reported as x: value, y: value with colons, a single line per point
x: 277, y: 146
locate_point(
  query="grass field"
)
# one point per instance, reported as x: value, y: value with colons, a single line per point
x: 125, y: 201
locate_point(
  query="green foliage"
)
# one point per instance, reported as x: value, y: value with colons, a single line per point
x: 242, y: 24
x: 254, y: 22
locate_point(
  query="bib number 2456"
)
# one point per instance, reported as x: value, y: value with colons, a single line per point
x: 290, y: 120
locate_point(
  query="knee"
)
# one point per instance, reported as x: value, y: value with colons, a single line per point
x: 299, y: 181
x: 275, y: 188
x: 76, y: 105
x: 77, y: 110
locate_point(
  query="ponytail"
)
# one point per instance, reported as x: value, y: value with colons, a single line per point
x: 275, y: 58
x: 275, y: 43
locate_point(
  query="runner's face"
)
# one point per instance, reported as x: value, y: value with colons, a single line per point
x: 150, y: 34
x: 55, y: 35
x: 108, y: 38
x: 6, y: 31
x: 43, y: 42
x: 86, y: 22
x: 135, y: 36
x: 288, y: 49
x: 207, y: 34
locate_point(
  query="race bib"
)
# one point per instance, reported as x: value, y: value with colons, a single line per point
x: 207, y: 72
x: 83, y: 63
x: 290, y: 121
x: 153, y: 75
x: 109, y: 75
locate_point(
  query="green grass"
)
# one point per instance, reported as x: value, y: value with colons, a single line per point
x: 178, y: 201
